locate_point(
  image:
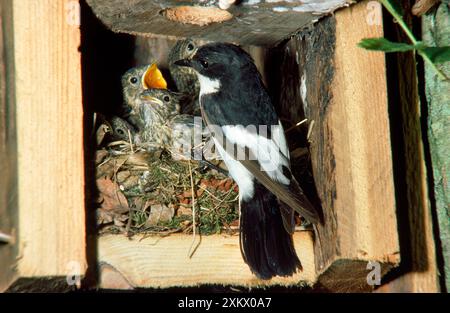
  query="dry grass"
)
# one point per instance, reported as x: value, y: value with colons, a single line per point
x: 154, y: 182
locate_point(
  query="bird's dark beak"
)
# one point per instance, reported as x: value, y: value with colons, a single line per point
x: 184, y: 62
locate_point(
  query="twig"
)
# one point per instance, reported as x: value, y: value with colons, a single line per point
x: 223, y: 200
x: 94, y: 121
x: 117, y: 143
x: 148, y: 233
x: 398, y: 18
x: 209, y: 193
x: 5, y: 238
x: 310, y: 128
x: 192, y: 249
x: 296, y: 125
x: 131, y: 141
x: 130, y: 218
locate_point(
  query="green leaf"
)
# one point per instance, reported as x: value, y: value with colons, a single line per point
x: 437, y: 54
x: 382, y: 44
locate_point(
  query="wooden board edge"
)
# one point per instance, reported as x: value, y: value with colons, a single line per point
x: 359, y: 125
x: 354, y: 275
x: 163, y: 262
x: 49, y: 115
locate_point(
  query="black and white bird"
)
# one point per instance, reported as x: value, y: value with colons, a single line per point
x: 250, y: 138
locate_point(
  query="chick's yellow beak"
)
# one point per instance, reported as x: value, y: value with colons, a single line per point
x: 153, y: 78
x: 151, y: 99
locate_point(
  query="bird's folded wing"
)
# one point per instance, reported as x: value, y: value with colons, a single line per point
x: 287, y: 215
x: 287, y: 190
x: 291, y: 195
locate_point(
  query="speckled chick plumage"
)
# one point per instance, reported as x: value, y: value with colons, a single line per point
x: 121, y: 129
x: 132, y: 87
x: 185, y: 78
x: 164, y: 126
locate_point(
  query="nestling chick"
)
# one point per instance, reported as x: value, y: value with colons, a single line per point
x: 134, y: 82
x: 158, y: 110
x: 185, y: 78
x: 121, y: 129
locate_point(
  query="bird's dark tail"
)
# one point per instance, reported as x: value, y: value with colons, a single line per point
x: 266, y: 246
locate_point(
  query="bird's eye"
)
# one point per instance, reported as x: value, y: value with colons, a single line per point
x: 120, y: 131
x: 204, y: 63
x: 166, y: 99
x: 133, y: 80
x: 190, y: 47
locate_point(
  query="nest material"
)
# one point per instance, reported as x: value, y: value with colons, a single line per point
x: 147, y: 192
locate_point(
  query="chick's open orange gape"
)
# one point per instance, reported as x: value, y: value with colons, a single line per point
x: 153, y: 78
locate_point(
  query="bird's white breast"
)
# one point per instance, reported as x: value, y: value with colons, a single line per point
x: 208, y: 85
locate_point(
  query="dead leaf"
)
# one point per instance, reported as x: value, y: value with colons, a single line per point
x: 107, y: 217
x: 119, y: 162
x: 199, y: 192
x: 101, y: 132
x: 105, y: 169
x: 160, y: 213
x: 228, y: 184
x: 111, y: 197
x: 234, y: 224
x: 185, y: 201
x: 104, y: 217
x: 127, y: 179
x: 184, y: 211
x: 120, y: 220
x: 187, y: 194
x: 100, y: 156
x: 143, y: 159
x: 221, y: 184
x: 122, y: 176
x: 138, y: 203
x: 142, y: 204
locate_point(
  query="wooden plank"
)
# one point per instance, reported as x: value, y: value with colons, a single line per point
x: 162, y: 262
x: 418, y: 271
x: 147, y: 50
x: 257, y: 23
x: 50, y: 137
x: 8, y: 152
x: 364, y: 207
x: 342, y: 90
x: 365, y: 201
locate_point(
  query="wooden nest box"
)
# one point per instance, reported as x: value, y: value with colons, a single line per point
x: 319, y: 74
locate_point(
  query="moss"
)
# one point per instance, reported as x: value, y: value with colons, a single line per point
x: 167, y: 182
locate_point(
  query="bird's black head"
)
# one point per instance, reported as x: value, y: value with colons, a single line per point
x: 218, y: 60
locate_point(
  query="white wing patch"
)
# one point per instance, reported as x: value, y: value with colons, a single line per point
x: 280, y: 139
x: 272, y: 154
x: 240, y: 174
